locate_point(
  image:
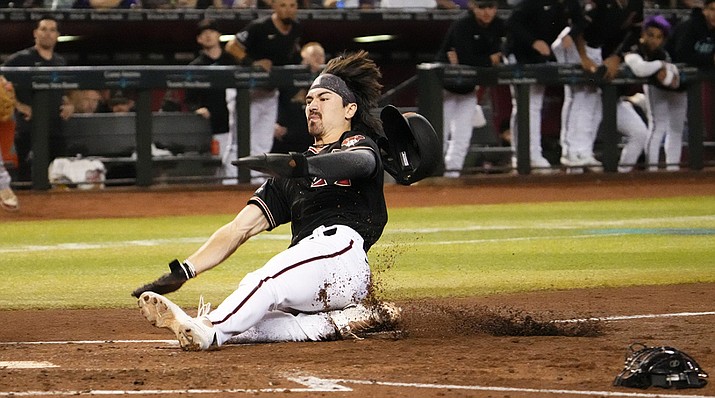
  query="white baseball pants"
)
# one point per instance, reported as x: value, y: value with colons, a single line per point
x: 325, y: 271
x: 4, y: 175
x: 666, y: 119
x: 459, y: 110
x: 581, y: 117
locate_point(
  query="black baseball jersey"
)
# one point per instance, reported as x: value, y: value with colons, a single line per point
x: 310, y: 202
x: 473, y: 43
x: 30, y: 57
x: 614, y: 25
x: 264, y: 41
x: 544, y: 20
x: 693, y: 42
x: 214, y: 99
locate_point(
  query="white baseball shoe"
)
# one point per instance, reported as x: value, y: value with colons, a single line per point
x: 582, y: 161
x: 8, y: 200
x: 194, y: 334
x: 359, y: 318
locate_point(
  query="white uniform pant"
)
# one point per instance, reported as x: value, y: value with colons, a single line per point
x: 263, y: 114
x: 325, y: 271
x: 666, y: 119
x: 459, y: 110
x: 4, y: 175
x: 536, y: 104
x: 581, y: 117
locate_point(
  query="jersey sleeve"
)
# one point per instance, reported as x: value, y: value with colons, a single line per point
x: 271, y: 198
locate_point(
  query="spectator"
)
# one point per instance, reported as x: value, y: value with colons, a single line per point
x: 408, y: 4
x: 291, y: 134
x: 42, y: 53
x: 614, y: 27
x: 453, y: 4
x: 21, y: 4
x: 211, y: 103
x: 692, y: 42
x: 348, y: 4
x: 474, y: 39
x: 119, y: 102
x: 533, y: 26
x: 266, y: 42
x: 106, y: 4
x: 8, y: 200
x: 666, y: 105
x: 85, y: 101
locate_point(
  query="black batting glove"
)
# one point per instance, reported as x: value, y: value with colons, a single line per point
x: 169, y: 282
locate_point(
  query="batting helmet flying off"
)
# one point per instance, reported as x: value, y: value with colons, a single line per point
x: 413, y: 151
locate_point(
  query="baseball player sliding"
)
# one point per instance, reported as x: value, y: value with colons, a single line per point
x: 333, y: 197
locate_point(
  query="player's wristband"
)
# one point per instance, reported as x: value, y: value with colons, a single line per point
x: 185, y: 269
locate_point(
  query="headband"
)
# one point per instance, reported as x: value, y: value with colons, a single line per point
x: 334, y: 84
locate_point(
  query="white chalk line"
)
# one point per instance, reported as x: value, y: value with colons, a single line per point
x: 26, y: 365
x: 630, y: 317
x: 314, y: 384
x: 285, y: 237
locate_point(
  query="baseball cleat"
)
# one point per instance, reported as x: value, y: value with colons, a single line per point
x: 358, y: 318
x: 8, y: 200
x: 194, y: 334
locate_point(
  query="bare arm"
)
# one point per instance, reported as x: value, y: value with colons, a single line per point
x: 223, y: 243
x: 236, y: 49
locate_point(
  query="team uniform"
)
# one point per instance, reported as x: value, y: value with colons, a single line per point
x: 473, y: 44
x: 23, y: 128
x: 613, y: 28
x: 667, y: 107
x: 693, y: 43
x: 263, y: 40
x: 530, y: 21
x: 215, y: 101
x: 334, y: 224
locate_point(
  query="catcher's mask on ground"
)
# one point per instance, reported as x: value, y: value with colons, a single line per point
x: 413, y: 150
x: 664, y: 367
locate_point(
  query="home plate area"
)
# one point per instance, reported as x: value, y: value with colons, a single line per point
x: 540, y: 344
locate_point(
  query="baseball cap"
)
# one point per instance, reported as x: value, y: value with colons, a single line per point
x: 484, y: 3
x: 206, y: 24
x: 658, y: 21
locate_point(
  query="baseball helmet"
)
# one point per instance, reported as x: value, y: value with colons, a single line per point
x: 413, y: 150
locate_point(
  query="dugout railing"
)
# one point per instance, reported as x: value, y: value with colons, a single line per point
x: 433, y: 76
x: 142, y: 80
x: 430, y: 80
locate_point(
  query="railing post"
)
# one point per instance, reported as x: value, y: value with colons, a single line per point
x: 609, y: 127
x: 40, y: 135
x: 430, y: 99
x: 243, y: 130
x: 523, y: 135
x: 144, y: 138
x: 696, y: 128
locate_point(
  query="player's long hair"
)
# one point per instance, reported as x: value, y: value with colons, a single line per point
x: 362, y: 76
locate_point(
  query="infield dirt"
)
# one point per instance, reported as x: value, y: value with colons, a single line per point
x: 443, y: 349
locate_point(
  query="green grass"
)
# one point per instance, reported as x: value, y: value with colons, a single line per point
x: 424, y: 252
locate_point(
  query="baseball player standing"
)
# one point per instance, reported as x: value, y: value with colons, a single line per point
x: 667, y: 103
x: 533, y: 26
x: 614, y: 26
x: 266, y: 42
x: 333, y: 197
x: 475, y: 39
